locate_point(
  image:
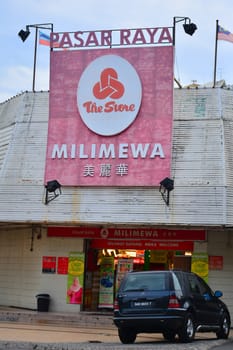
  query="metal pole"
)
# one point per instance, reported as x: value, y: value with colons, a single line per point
x: 34, y: 67
x: 51, y: 48
x: 174, y: 30
x: 215, y: 56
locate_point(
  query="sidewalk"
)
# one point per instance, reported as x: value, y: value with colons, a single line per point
x: 83, y: 319
x: 41, y: 337
x: 30, y: 329
x: 53, y: 334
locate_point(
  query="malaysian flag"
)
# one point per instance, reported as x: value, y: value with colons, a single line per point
x: 44, y: 39
x: 224, y: 34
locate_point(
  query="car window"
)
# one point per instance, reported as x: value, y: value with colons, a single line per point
x: 204, y: 288
x: 151, y: 282
x: 193, y: 284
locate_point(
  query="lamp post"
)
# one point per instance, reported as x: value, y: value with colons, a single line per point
x: 189, y: 27
x: 167, y: 184
x: 23, y: 34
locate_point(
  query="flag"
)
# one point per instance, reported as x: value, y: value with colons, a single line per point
x: 224, y: 34
x: 44, y: 39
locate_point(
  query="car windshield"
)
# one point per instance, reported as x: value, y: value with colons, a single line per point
x: 141, y: 282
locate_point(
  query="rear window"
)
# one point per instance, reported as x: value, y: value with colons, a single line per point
x: 147, y: 281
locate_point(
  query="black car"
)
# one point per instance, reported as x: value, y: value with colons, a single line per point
x: 174, y: 303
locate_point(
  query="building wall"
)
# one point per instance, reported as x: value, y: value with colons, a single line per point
x: 21, y: 277
x: 220, y: 243
x: 201, y: 169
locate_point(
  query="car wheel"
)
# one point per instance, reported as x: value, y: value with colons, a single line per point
x: 127, y: 335
x: 169, y: 335
x: 187, y: 332
x: 224, y: 327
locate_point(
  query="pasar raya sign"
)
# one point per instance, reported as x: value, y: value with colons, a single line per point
x: 110, y: 119
x: 89, y: 39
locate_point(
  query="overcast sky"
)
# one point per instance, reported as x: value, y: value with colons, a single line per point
x: 194, y: 54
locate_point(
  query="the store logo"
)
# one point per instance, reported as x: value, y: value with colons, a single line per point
x: 109, y: 95
x: 104, y: 233
x: 109, y: 85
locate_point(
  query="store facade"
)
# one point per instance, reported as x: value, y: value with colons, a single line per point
x: 112, y: 252
x: 109, y: 154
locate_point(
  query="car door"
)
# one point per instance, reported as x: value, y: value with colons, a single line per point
x: 205, y: 303
x: 197, y: 299
x: 211, y: 304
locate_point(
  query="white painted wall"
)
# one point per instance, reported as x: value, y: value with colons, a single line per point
x: 220, y: 242
x: 21, y: 277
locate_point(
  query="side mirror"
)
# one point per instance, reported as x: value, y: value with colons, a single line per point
x: 218, y: 294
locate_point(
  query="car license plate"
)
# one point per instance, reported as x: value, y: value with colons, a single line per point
x: 142, y: 303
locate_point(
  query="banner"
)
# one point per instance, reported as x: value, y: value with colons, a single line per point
x: 75, y: 278
x: 106, y: 291
x: 200, y: 265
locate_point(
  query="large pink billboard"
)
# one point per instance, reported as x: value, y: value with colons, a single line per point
x: 110, y: 119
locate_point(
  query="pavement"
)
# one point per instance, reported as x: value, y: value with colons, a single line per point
x: 48, y: 337
x: 40, y: 331
x: 26, y: 336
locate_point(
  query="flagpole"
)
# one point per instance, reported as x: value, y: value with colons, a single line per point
x: 34, y: 66
x: 215, y: 56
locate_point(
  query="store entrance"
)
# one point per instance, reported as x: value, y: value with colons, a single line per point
x: 105, y: 268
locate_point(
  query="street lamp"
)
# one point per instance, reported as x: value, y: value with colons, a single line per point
x: 166, y: 186
x: 188, y: 26
x: 23, y: 34
x: 52, y: 189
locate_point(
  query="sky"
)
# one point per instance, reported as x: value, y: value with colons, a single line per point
x: 194, y: 55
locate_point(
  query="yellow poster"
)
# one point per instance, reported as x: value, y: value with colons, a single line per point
x: 200, y: 265
x: 158, y: 256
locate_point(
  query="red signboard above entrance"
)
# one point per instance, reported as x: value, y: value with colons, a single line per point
x: 140, y: 244
x: 129, y: 233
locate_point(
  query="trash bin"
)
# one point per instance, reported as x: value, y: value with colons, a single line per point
x: 43, y: 301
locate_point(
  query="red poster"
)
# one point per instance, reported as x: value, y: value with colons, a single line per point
x: 62, y: 265
x: 49, y: 264
x: 215, y: 262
